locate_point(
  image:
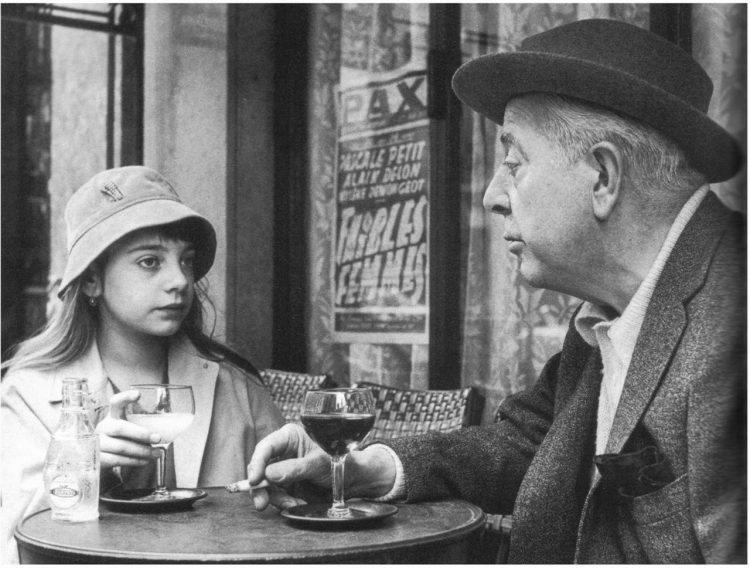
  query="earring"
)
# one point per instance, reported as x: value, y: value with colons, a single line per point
x: 93, y: 301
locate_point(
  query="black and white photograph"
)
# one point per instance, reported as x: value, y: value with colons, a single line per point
x: 339, y: 283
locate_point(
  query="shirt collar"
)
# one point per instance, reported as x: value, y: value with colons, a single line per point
x: 624, y: 329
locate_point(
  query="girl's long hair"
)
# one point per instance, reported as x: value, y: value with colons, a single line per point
x: 66, y: 336
x: 72, y: 326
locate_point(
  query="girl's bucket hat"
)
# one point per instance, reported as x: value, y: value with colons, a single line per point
x: 121, y: 200
x: 618, y: 66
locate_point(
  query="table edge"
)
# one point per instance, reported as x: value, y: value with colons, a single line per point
x: 329, y: 555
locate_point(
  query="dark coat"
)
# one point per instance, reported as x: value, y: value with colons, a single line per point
x: 685, y: 393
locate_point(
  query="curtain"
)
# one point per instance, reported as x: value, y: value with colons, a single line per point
x: 509, y: 328
x: 720, y: 46
x: 325, y: 56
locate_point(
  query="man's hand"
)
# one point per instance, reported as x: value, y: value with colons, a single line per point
x: 283, y: 457
x: 121, y: 442
x: 289, y: 455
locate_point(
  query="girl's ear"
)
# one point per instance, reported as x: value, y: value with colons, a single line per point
x: 91, y: 283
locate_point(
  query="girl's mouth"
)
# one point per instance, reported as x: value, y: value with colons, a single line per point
x: 173, y: 308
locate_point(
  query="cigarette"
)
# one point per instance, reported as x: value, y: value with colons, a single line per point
x: 244, y: 485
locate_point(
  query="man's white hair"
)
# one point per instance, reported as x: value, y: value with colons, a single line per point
x: 652, y: 160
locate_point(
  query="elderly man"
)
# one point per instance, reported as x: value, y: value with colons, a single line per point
x: 630, y: 447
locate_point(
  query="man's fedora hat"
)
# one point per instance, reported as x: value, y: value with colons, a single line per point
x: 618, y: 66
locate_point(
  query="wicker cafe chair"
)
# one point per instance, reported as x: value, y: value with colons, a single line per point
x: 288, y: 389
x: 400, y: 412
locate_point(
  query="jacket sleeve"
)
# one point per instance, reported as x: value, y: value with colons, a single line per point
x: 483, y: 465
x: 25, y: 438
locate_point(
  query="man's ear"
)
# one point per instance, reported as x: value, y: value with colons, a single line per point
x: 91, y: 283
x: 606, y: 159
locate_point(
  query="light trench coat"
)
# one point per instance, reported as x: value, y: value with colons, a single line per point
x: 233, y: 411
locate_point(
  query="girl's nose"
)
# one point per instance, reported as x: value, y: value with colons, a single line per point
x: 176, y: 277
x: 496, y: 196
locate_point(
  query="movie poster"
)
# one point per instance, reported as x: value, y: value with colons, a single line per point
x: 380, y: 258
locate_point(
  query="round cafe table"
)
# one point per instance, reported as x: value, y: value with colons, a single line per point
x: 225, y: 528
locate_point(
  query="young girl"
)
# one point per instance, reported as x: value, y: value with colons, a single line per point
x: 131, y: 313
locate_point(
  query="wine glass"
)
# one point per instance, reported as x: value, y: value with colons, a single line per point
x: 166, y: 409
x: 338, y: 420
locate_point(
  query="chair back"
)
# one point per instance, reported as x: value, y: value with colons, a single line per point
x: 288, y: 389
x: 402, y: 412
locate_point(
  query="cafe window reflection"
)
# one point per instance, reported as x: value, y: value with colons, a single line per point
x: 369, y: 307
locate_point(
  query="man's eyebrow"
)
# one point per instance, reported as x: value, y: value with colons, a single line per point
x: 509, y: 141
x: 507, y: 138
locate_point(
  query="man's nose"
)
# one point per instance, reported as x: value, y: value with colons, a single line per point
x: 496, y: 196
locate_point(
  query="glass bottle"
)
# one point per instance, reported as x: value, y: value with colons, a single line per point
x: 71, y: 468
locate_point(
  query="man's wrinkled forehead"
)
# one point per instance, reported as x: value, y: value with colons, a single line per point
x: 522, y: 110
x: 521, y: 121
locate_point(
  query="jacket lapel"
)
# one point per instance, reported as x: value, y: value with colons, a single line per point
x: 188, y: 368
x: 665, y: 320
x: 558, y: 478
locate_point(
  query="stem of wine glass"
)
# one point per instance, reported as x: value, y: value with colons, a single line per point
x: 161, y: 472
x: 338, y: 508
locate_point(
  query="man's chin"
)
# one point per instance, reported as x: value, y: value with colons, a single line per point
x: 530, y: 275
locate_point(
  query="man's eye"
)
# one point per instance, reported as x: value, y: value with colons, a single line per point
x: 511, y: 166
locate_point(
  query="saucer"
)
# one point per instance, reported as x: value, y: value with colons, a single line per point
x: 362, y: 512
x: 138, y: 501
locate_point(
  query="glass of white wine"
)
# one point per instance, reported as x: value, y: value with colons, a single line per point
x: 166, y: 409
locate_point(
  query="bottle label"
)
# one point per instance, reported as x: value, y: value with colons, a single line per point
x: 64, y: 492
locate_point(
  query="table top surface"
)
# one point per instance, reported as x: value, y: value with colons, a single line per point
x: 224, y: 527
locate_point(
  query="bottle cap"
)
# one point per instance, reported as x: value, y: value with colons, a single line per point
x: 75, y: 392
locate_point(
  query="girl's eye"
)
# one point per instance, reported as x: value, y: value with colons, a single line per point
x: 149, y: 262
x: 189, y: 261
x: 188, y: 265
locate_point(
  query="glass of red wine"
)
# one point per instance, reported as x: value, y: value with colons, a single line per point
x: 338, y: 420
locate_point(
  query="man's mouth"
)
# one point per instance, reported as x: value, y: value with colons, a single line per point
x: 515, y: 244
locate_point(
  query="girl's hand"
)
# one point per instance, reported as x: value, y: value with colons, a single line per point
x: 120, y: 441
